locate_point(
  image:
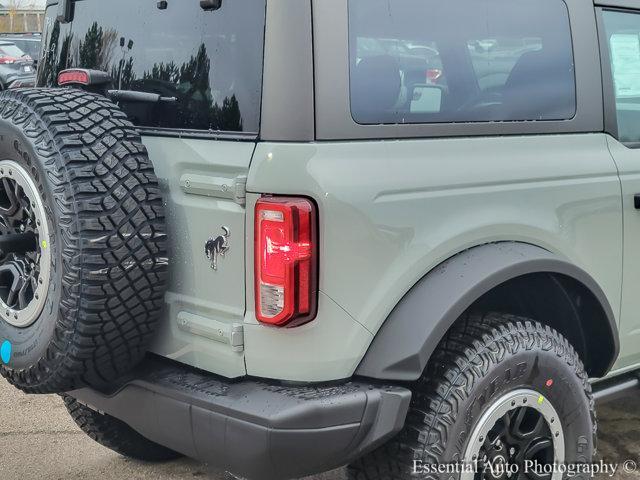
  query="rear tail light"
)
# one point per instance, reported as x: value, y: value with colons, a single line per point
x: 8, y: 60
x: 433, y: 75
x: 286, y: 261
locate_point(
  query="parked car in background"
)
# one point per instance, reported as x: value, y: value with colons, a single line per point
x: 17, y: 68
x: 30, y: 43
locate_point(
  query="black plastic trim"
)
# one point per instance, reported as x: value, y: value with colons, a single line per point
x: 254, y: 428
x: 197, y: 134
x: 287, y: 87
x: 406, y: 341
x: 626, y: 4
x: 617, y: 387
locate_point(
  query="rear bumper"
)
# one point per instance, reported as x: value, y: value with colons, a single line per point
x: 253, y: 428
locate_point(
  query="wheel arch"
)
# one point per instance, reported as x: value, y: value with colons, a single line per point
x: 510, y: 277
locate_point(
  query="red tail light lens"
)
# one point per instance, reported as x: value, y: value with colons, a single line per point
x: 74, y: 77
x: 8, y: 60
x: 286, y: 261
x: 433, y: 75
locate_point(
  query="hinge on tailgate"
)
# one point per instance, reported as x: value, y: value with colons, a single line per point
x: 233, y: 189
x: 240, y: 184
x: 230, y: 334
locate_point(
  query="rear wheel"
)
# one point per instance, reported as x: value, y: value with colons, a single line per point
x: 500, y: 391
x: 116, y: 435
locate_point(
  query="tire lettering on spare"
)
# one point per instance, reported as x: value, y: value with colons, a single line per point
x: 50, y: 306
x: 26, y: 351
x: 571, y: 412
x: 18, y: 148
x: 582, y: 449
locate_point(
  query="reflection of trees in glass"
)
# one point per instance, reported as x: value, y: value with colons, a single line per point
x: 65, y: 54
x: 123, y: 74
x: 47, y: 72
x: 229, y: 116
x: 169, y: 72
x: 96, y: 50
x: 192, y: 83
x: 189, y: 82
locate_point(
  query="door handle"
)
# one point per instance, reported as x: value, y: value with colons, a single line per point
x: 636, y: 201
x: 210, y: 5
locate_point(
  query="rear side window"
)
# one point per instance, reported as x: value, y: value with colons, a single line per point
x: 9, y: 50
x: 434, y: 61
x: 28, y: 46
x: 623, y: 38
x: 210, y: 62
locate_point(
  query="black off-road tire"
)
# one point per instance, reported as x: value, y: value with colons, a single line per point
x: 468, y: 371
x: 116, y: 435
x: 107, y: 240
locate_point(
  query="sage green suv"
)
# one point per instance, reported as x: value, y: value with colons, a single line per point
x: 282, y: 236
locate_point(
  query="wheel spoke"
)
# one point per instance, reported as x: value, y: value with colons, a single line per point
x: 17, y: 194
x: 516, y: 422
x: 538, y: 446
x: 11, y: 194
x: 23, y: 301
x: 487, y: 445
x: 505, y: 428
x: 533, y: 475
x: 15, y: 288
x: 540, y: 426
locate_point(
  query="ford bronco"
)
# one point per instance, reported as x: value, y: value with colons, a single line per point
x: 283, y: 236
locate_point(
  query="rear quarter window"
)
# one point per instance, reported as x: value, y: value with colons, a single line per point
x: 429, y: 61
x: 209, y: 61
x: 11, y: 51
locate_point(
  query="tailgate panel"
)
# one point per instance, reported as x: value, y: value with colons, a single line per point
x: 202, y: 183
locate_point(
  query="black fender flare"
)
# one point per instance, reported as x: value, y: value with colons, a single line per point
x: 405, y: 342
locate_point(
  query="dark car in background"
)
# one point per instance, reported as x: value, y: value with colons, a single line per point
x: 30, y: 43
x: 17, y: 68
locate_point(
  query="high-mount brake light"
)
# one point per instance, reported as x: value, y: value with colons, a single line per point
x: 286, y: 261
x: 83, y: 76
x: 74, y: 77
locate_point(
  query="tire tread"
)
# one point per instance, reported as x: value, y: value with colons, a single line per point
x: 116, y: 435
x: 111, y: 232
x: 464, y: 356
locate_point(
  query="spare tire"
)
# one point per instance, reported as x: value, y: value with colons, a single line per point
x: 83, y: 263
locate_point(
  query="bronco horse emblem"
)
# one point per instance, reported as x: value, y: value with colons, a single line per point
x: 218, y: 247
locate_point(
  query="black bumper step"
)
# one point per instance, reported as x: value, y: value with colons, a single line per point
x: 254, y: 428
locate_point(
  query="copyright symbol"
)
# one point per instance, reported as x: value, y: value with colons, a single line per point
x: 630, y: 466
